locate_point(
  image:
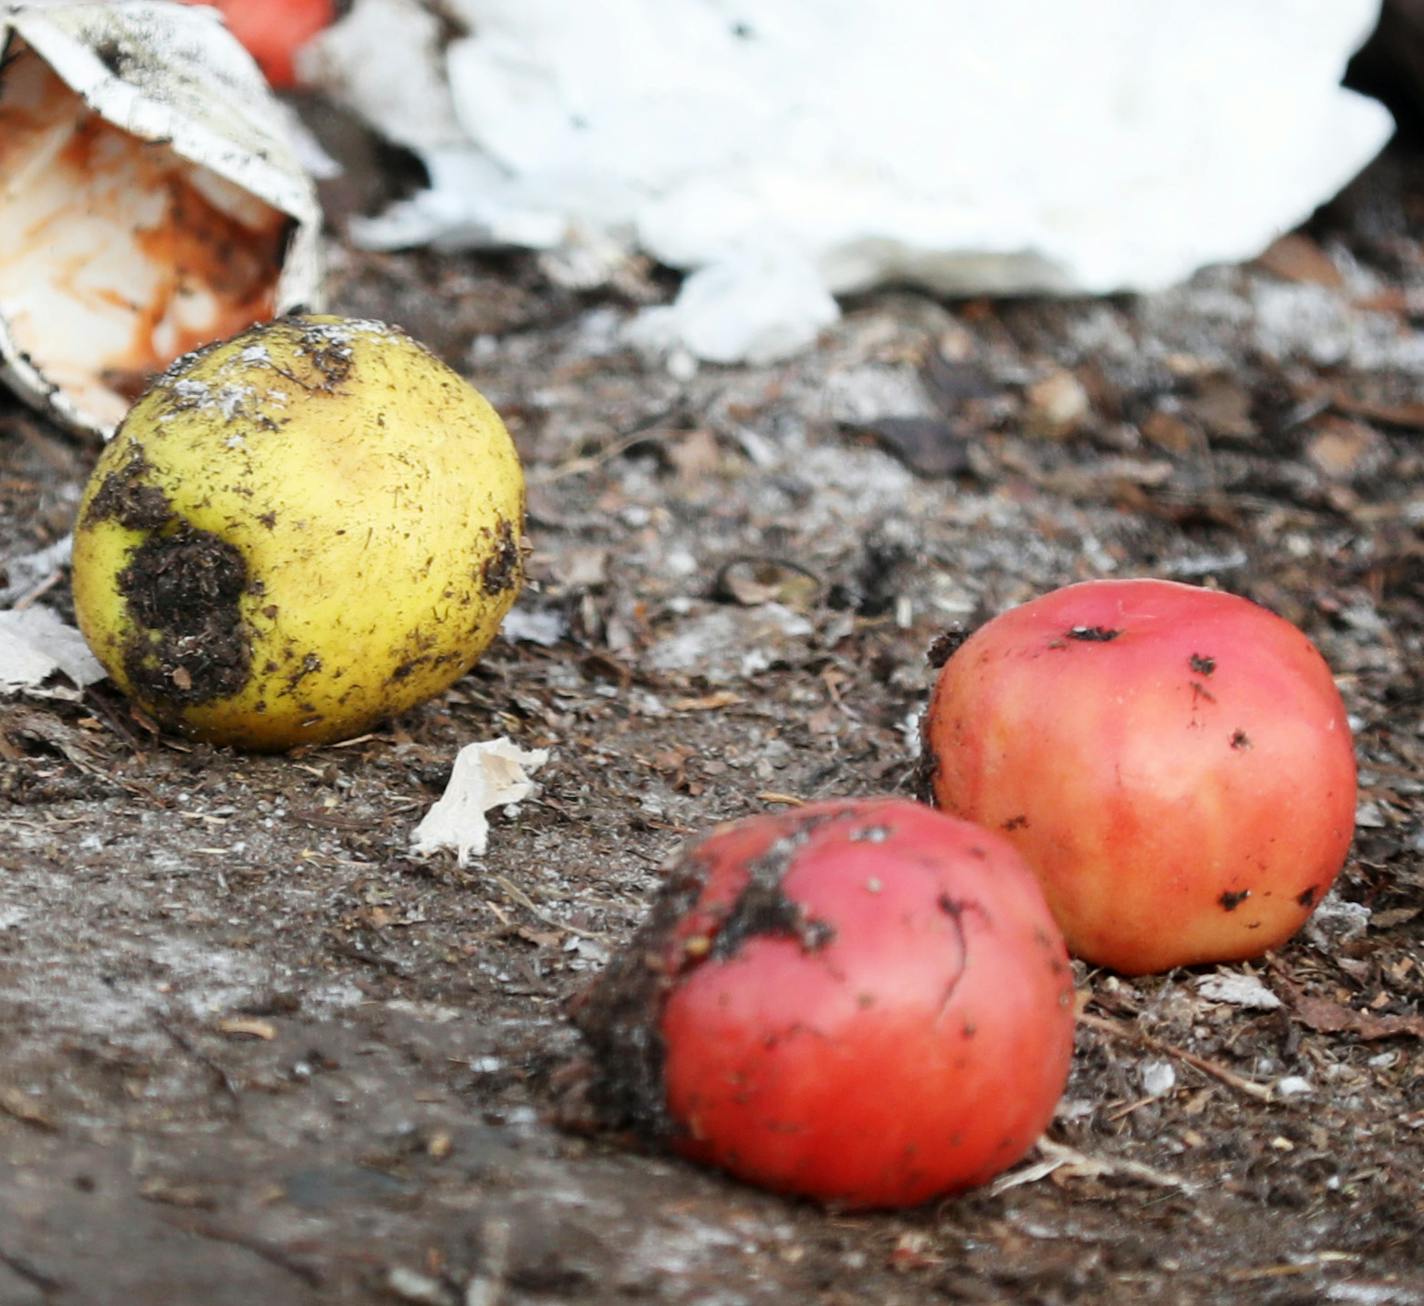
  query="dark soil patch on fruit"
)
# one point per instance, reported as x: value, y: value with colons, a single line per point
x: 191, y: 644
x: 500, y: 572
x: 126, y: 496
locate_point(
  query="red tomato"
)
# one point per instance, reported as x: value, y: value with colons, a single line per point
x: 1174, y: 763
x: 274, y: 30
x: 863, y: 1002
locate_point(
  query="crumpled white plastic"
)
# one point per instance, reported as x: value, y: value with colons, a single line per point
x: 37, y: 642
x: 1237, y: 989
x: 1021, y: 146
x: 493, y: 773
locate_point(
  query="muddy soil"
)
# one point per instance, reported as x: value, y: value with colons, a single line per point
x: 253, y: 1049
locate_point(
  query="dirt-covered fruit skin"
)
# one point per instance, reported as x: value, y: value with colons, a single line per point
x: 1174, y: 763
x: 863, y: 1002
x: 297, y: 533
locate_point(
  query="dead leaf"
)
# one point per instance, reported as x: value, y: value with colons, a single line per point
x: 582, y: 568
x: 1170, y: 432
x: 695, y: 457
x: 754, y: 581
x: 1341, y: 449
x: 953, y: 380
x: 1223, y: 406
x: 929, y: 446
x: 1295, y: 257
x: 1409, y: 416
x: 1386, y: 920
x: 1327, y: 1017
x: 1057, y: 406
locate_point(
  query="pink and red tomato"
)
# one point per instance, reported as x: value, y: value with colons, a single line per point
x: 1174, y: 763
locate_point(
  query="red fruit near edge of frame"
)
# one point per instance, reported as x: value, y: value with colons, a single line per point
x: 274, y: 30
x: 1173, y: 762
x: 864, y: 1002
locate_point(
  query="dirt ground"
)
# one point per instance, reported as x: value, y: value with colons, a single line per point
x: 254, y: 1051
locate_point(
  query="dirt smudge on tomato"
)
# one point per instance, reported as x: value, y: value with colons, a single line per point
x: 1201, y: 664
x: 1231, y: 901
x: 762, y: 908
x: 619, y: 1016
x: 1306, y: 897
x: 1092, y: 634
x: 621, y: 1086
x: 922, y: 779
x: 944, y: 646
x: 1240, y: 740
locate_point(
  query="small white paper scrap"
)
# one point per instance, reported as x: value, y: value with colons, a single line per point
x: 1238, y: 990
x: 494, y: 773
x: 37, y: 642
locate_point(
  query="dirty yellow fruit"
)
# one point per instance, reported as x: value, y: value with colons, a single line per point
x: 297, y: 533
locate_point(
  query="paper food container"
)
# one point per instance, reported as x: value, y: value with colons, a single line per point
x: 150, y: 200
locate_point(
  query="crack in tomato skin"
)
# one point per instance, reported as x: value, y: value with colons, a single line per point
x: 804, y: 976
x: 955, y: 911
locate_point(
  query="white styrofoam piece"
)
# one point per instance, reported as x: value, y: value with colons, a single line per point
x: 492, y: 773
x: 1024, y: 146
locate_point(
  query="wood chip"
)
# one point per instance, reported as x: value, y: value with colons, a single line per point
x: 248, y: 1027
x: 707, y: 703
x: 15, y: 1102
x: 1261, y: 1092
x: 1295, y: 257
x: 1058, y: 405
x: 1342, y: 449
x: 1170, y: 432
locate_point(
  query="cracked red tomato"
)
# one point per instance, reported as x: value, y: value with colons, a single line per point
x: 864, y: 1002
x: 1173, y: 762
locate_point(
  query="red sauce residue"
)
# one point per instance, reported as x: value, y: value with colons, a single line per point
x: 191, y: 253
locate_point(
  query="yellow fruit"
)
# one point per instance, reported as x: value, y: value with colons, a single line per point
x: 298, y: 532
